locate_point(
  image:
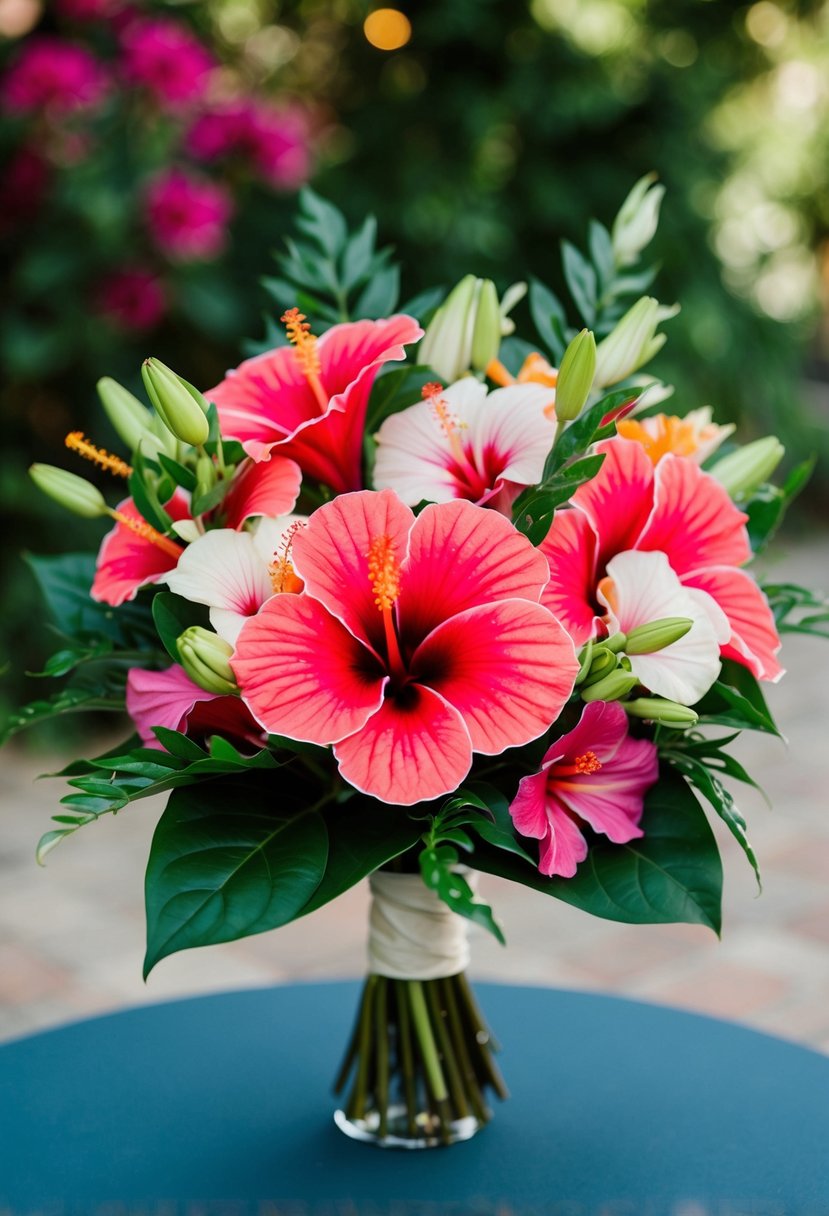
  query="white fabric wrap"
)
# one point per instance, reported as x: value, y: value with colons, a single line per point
x: 412, y: 935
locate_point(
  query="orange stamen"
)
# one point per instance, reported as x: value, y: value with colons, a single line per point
x: 449, y: 424
x: 141, y: 528
x: 305, y: 346
x: 384, y: 573
x: 76, y: 441
x: 588, y: 762
x: 283, y: 576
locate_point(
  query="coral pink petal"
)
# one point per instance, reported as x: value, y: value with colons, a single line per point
x: 302, y: 674
x: 460, y: 556
x: 263, y: 400
x: 618, y: 500
x: 529, y: 806
x: 508, y: 668
x: 331, y: 554
x: 269, y: 488
x: 413, y: 749
x: 600, y: 729
x: 693, y: 519
x: 571, y: 548
x: 171, y: 699
x: 611, y: 799
x: 127, y: 561
x: 564, y: 847
x: 754, y: 641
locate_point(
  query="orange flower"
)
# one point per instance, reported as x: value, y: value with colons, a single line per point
x: 695, y: 435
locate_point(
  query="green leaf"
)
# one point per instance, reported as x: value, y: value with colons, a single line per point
x: 586, y: 429
x: 534, y: 509
x: 146, y: 497
x: 359, y: 251
x: 424, y: 303
x: 549, y: 318
x: 172, y: 615
x: 581, y: 280
x: 180, y: 474
x: 380, y: 295
x: 68, y: 700
x: 672, y: 874
x: 736, y: 700
x: 65, y: 582
x: 439, y: 873
x: 395, y: 390
x: 225, y: 863
x: 322, y: 221
x: 601, y: 252
x: 714, y: 792
x: 64, y: 661
x: 179, y: 745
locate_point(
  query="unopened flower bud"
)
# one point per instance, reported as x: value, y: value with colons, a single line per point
x: 603, y: 662
x: 175, y: 403
x: 656, y: 635
x: 745, y: 470
x: 205, y: 657
x: 130, y: 419
x: 655, y: 709
x: 205, y: 475
x: 635, y: 225
x: 632, y: 343
x: 575, y: 376
x: 486, y: 335
x: 611, y: 687
x: 74, y: 493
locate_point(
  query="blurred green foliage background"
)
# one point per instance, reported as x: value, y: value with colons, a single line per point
x: 497, y: 128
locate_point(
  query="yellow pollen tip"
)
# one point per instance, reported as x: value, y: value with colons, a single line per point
x: 76, y: 441
x: 588, y: 762
x: 384, y: 572
x: 299, y: 334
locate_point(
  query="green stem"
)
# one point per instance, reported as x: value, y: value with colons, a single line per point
x: 426, y: 1040
x: 405, y: 1059
x: 476, y: 1097
x: 450, y: 1064
x: 381, y: 1043
x: 351, y: 1050
x: 485, y: 1044
x: 357, y: 1102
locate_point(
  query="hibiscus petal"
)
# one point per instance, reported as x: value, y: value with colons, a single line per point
x: 754, y: 641
x: 413, y: 749
x: 564, y: 847
x: 600, y: 729
x: 611, y: 800
x: 571, y: 548
x: 224, y: 570
x: 331, y: 555
x: 618, y: 500
x: 529, y: 806
x: 461, y: 556
x: 693, y: 519
x: 270, y: 489
x: 263, y: 400
x: 170, y: 698
x: 127, y: 561
x: 303, y: 674
x: 508, y: 668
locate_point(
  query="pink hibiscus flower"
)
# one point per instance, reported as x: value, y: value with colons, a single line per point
x: 674, y: 508
x: 133, y: 554
x: 415, y: 643
x: 170, y: 698
x: 54, y: 75
x: 168, y: 60
x: 462, y: 442
x: 188, y: 215
x: 276, y: 139
x: 309, y: 400
x: 594, y: 774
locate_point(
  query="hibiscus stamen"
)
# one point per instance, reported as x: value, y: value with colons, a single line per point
x: 76, y: 441
x: 281, y: 570
x: 585, y: 765
x: 384, y: 573
x: 449, y: 423
x: 305, y: 345
x: 141, y: 528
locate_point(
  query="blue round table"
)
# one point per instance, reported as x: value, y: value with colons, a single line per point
x: 220, y: 1106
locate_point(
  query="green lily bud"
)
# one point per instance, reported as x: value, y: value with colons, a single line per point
x: 656, y: 635
x: 486, y: 335
x: 585, y: 658
x: 615, y: 643
x: 635, y: 225
x: 130, y: 419
x: 743, y: 471
x: 632, y: 343
x: 611, y: 687
x: 575, y: 376
x: 205, y: 475
x: 603, y: 663
x: 656, y: 709
x: 175, y: 403
x: 74, y: 493
x: 204, y: 656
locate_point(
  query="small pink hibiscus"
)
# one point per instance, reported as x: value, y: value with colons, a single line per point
x: 674, y: 508
x: 165, y: 58
x: 594, y: 774
x: 51, y: 74
x: 134, y: 555
x: 132, y: 298
x: 462, y: 442
x: 309, y: 400
x: 169, y: 698
x: 416, y: 642
x: 188, y: 215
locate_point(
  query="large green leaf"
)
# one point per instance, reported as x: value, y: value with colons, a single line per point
x: 672, y: 874
x: 65, y: 583
x: 229, y: 861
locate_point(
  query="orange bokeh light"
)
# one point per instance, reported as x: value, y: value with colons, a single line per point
x: 387, y: 28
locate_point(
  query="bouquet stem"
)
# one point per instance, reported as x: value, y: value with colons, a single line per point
x: 420, y: 1060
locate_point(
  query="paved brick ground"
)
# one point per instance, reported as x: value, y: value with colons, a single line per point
x: 71, y: 934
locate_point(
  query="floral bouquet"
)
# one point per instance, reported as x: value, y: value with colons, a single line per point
x: 414, y: 605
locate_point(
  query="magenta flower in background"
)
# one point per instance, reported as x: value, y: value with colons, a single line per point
x: 594, y: 774
x: 132, y: 298
x: 55, y: 75
x: 23, y: 184
x: 219, y: 131
x: 165, y: 58
x: 87, y: 10
x: 277, y: 141
x: 188, y: 215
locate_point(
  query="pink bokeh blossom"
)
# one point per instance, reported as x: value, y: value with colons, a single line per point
x: 87, y: 10
x: 23, y: 185
x: 51, y: 74
x: 594, y: 774
x: 272, y: 140
x: 165, y: 58
x: 132, y: 299
x: 187, y: 215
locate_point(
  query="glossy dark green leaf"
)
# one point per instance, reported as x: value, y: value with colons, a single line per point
x: 180, y: 474
x: 65, y: 583
x: 672, y: 874
x: 172, y: 615
x: 736, y: 700
x: 227, y: 862
x: 715, y: 793
x: 583, y: 431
